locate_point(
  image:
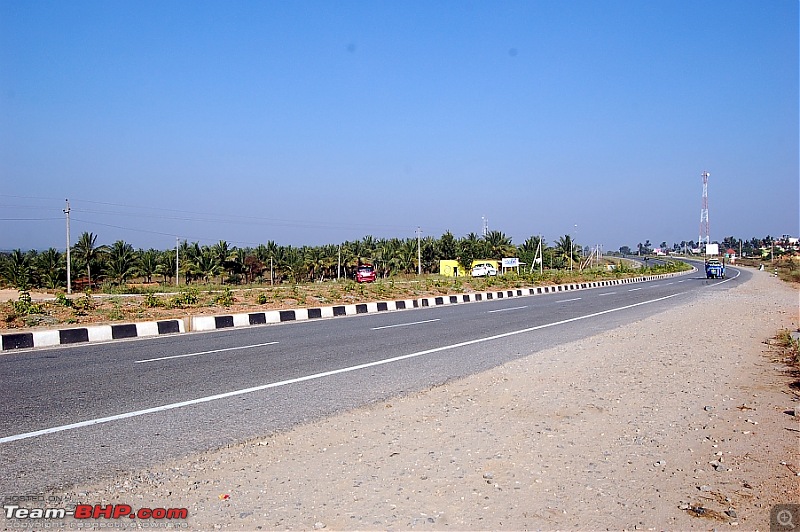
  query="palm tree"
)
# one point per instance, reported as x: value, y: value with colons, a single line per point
x: 122, y: 261
x: 148, y: 264
x: 235, y: 265
x: 407, y: 256
x: 205, y: 265
x: 86, y: 251
x: 565, y: 250
x: 384, y: 253
x: 49, y: 266
x: 315, y: 262
x: 429, y: 254
x: 165, y: 265
x: 223, y: 254
x: 447, y: 247
x: 498, y: 245
x: 529, y: 249
x: 16, y: 270
x: 292, y: 263
x: 469, y: 250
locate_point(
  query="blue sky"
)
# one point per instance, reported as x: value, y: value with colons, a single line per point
x: 315, y: 122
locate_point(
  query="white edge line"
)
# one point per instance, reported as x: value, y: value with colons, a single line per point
x: 171, y: 406
x: 505, y: 309
x: 568, y: 300
x: 405, y: 324
x: 203, y: 352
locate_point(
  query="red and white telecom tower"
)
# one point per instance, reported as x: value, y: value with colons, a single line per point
x: 704, y: 235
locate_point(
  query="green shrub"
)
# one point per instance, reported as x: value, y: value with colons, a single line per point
x: 82, y: 305
x: 152, y: 301
x: 185, y: 298
x: 262, y: 299
x: 24, y: 306
x: 63, y: 300
x: 226, y: 298
x: 297, y: 294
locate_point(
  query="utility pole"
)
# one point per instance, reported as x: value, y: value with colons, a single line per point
x: 419, y: 251
x: 339, y: 264
x: 572, y: 248
x: 177, y: 252
x: 69, y: 260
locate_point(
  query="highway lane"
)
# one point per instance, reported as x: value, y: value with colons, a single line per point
x: 49, y: 389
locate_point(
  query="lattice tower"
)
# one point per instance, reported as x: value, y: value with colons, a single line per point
x: 704, y: 234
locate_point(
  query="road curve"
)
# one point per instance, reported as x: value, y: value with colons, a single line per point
x: 76, y: 413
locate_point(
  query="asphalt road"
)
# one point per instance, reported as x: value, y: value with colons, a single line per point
x: 75, y: 413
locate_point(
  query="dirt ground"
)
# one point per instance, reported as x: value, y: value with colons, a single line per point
x: 669, y: 423
x: 12, y: 295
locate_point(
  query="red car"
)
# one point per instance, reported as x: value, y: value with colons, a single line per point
x: 365, y: 274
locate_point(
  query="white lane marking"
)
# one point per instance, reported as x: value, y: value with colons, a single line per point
x: 738, y: 273
x: 203, y: 352
x: 505, y: 309
x: 653, y: 285
x: 404, y: 324
x: 634, y: 289
x: 315, y: 376
x: 607, y: 294
x: 568, y: 300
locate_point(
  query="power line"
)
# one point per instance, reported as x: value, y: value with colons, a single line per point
x: 28, y: 219
x: 210, y: 217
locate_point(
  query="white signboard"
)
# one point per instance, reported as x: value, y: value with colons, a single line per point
x: 511, y: 263
x: 712, y: 249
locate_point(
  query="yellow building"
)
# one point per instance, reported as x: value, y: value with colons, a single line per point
x: 450, y: 268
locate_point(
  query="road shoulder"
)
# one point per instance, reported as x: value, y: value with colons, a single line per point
x: 638, y: 427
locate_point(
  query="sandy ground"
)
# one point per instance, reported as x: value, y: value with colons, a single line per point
x: 642, y: 427
x: 13, y: 295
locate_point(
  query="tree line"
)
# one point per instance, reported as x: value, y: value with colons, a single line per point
x: 119, y: 263
x: 754, y: 247
x: 223, y: 263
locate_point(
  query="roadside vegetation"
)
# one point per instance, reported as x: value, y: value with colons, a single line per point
x: 117, y: 283
x: 785, y: 349
x: 787, y: 266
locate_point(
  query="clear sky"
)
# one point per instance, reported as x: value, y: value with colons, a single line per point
x: 314, y: 122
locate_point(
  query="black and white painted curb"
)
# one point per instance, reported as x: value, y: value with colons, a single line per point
x: 96, y: 333
x: 100, y: 333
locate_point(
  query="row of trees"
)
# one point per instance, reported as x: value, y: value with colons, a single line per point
x: 120, y: 263
x: 749, y: 248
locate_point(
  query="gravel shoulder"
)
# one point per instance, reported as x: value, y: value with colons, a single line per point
x: 630, y: 429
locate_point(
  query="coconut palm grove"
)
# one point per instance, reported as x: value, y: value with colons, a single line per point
x: 110, y: 267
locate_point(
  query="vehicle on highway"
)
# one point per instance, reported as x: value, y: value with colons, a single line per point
x: 366, y: 274
x: 483, y: 269
x: 715, y: 269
